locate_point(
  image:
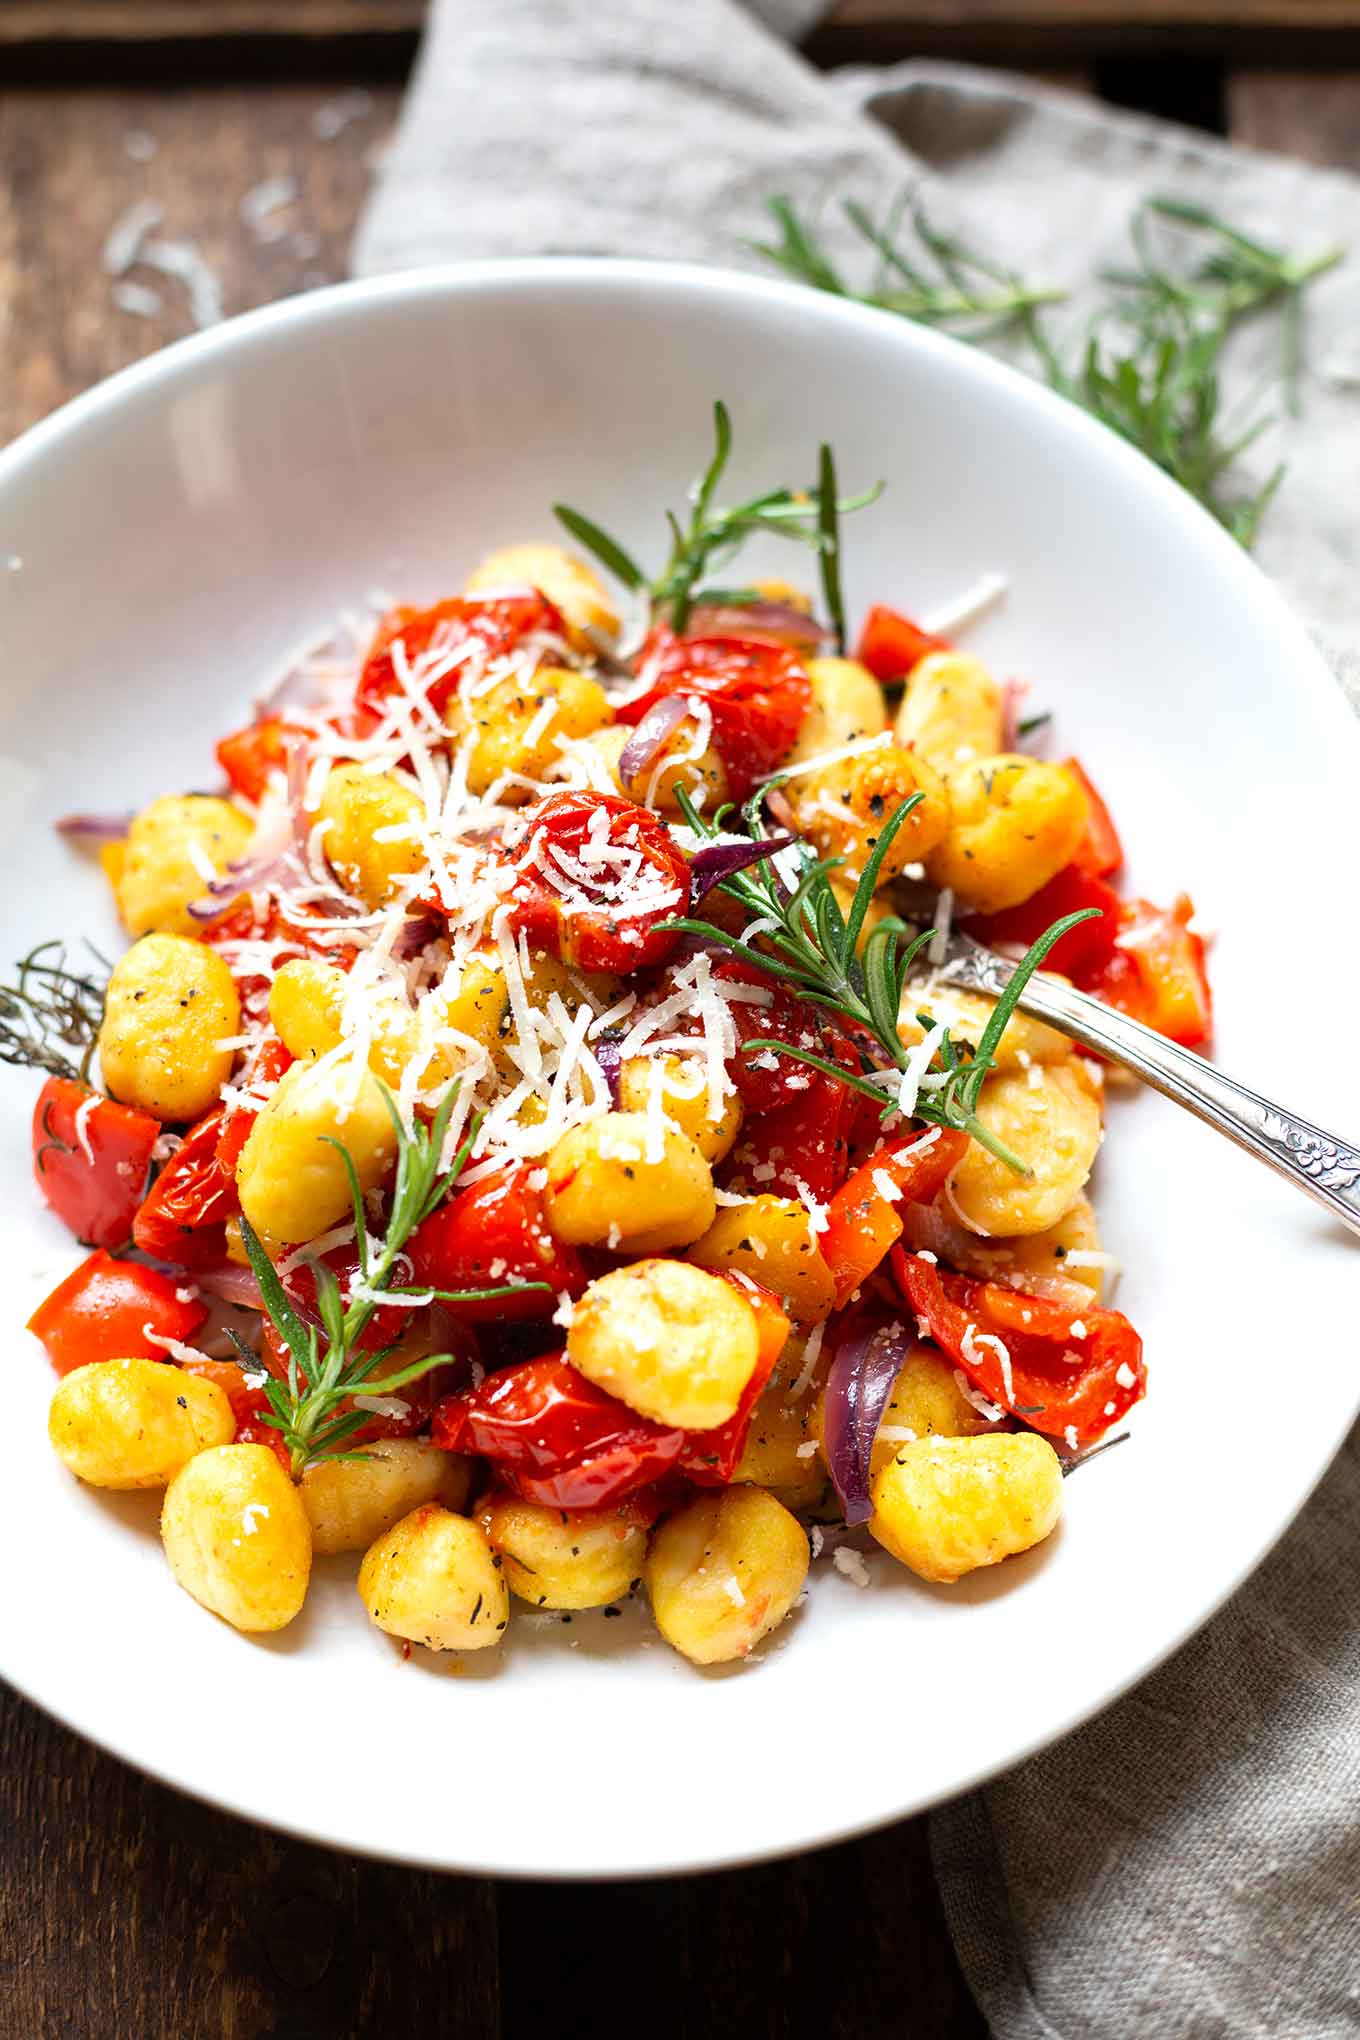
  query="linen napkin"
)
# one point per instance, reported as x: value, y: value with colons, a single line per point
x: 1188, y: 1864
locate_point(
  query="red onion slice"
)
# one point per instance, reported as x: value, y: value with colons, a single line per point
x: 649, y: 738
x: 606, y: 1052
x: 866, y: 1365
x: 229, y: 1283
x: 92, y: 832
x: 719, y: 860
x: 783, y: 620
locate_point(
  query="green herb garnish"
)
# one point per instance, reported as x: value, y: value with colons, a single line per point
x: 712, y: 535
x: 1149, y: 363
x: 814, y: 952
x: 50, y: 1016
x: 326, y: 1367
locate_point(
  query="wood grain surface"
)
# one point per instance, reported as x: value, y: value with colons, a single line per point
x: 126, y: 1911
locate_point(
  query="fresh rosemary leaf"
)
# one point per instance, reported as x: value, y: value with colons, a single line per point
x: 605, y: 548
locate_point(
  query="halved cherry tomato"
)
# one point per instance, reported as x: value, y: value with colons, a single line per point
x: 494, y: 624
x: 90, y: 1158
x: 1066, y: 1373
x: 183, y: 1218
x: 863, y: 1223
x: 1157, y: 972
x: 554, y: 1437
x: 756, y: 690
x: 1083, y: 951
x: 495, y: 1232
x: 890, y: 644
x: 1100, y: 851
x: 247, y: 1403
x: 710, y: 1457
x: 107, y: 1309
x: 251, y: 756
x: 765, y: 1080
x: 387, y: 1323
x: 585, y: 863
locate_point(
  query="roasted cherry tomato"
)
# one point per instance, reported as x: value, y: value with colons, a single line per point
x: 491, y: 626
x: 802, y: 1147
x: 247, y: 1404
x: 1100, y: 851
x: 554, y: 1437
x: 864, y: 1221
x: 299, y: 1282
x: 1083, y: 951
x: 182, y: 1219
x: 755, y: 689
x: 595, y: 878
x: 1157, y: 972
x: 90, y: 1158
x: 765, y: 1080
x: 250, y: 757
x: 891, y: 644
x: 495, y: 1232
x: 109, y: 1310
x: 1070, y: 1374
x: 260, y: 1076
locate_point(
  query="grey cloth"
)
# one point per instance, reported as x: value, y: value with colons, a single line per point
x: 1188, y: 1865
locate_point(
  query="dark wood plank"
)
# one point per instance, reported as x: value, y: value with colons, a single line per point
x: 127, y: 1909
x: 66, y: 176
x: 139, y: 21
x: 1312, y: 114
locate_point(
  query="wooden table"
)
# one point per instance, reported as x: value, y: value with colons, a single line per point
x: 124, y: 1908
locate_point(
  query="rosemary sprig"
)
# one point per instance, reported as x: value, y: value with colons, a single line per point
x: 713, y: 535
x: 1149, y: 365
x: 50, y: 1016
x: 327, y: 1367
x: 811, y: 947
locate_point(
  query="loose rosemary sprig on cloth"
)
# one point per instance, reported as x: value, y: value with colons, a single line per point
x: 713, y: 535
x: 50, y: 1016
x: 812, y: 947
x: 1149, y: 364
x: 327, y: 1367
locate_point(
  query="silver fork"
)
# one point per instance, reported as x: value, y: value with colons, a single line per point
x: 1326, y: 1167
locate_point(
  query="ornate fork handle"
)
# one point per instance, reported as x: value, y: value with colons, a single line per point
x: 1318, y: 1162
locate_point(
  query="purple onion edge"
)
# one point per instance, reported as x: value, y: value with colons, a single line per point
x: 858, y: 1388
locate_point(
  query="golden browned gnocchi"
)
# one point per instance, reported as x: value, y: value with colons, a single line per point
x: 614, y: 1183
x: 569, y: 584
x: 841, y: 809
x: 352, y: 1502
x: 847, y: 704
x: 772, y: 1240
x: 671, y: 1341
x: 306, y: 1008
x: 135, y: 1423
x: 369, y: 823
x: 170, y: 1008
x: 724, y: 1571
x: 175, y: 850
x: 433, y: 1579
x: 237, y: 1536
x: 1014, y: 823
x: 951, y: 711
x: 515, y: 728
x: 945, y: 1506
x: 291, y: 1178
x: 1052, y: 1126
x: 564, y: 1558
x: 680, y: 1084
x: 1023, y: 1041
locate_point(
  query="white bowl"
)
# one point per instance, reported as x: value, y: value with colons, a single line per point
x: 172, y: 534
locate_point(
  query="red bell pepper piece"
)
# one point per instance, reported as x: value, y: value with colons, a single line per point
x: 863, y: 1224
x: 108, y: 1310
x: 575, y: 905
x: 756, y: 691
x: 251, y: 756
x: 492, y: 1233
x: 1083, y: 951
x: 90, y: 1158
x: 1070, y: 1374
x: 890, y: 644
x: 1157, y: 972
x: 1100, y: 851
